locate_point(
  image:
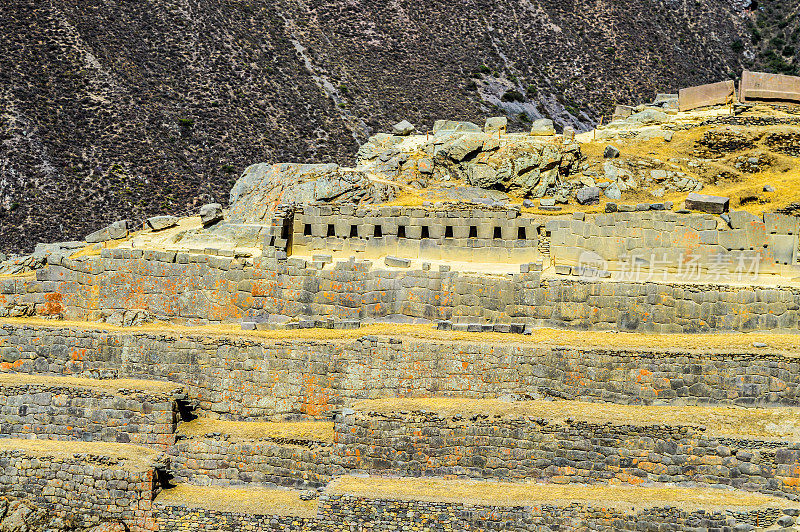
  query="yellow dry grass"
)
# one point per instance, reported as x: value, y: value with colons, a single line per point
x: 23, y: 275
x: 785, y: 344
x: 110, y: 385
x: 253, y: 430
x: 623, y: 497
x: 133, y: 457
x: 784, y: 174
x: 257, y: 501
x: 761, y: 423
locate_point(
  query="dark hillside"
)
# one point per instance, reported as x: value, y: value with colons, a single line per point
x: 112, y: 109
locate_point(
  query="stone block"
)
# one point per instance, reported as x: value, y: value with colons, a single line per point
x: 210, y: 213
x: 706, y: 95
x: 741, y: 219
x: 765, y: 86
x: 707, y: 203
x: 397, y: 262
x: 781, y: 224
x: 115, y: 231
x: 588, y: 196
x: 563, y: 269
x: 495, y: 125
x: 158, y: 223
x: 403, y: 128
x: 783, y: 248
x: 543, y: 128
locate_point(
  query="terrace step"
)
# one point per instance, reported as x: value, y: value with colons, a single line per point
x: 378, y: 503
x: 472, y: 505
x: 70, y: 408
x: 188, y: 507
x: 574, y: 442
x: 84, y: 482
x: 242, y: 453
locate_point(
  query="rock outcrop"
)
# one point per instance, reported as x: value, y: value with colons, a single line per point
x: 263, y: 187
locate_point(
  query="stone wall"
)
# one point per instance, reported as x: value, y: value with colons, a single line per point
x: 248, y: 378
x: 201, y: 288
x: 220, y: 461
x: 86, y: 489
x: 428, y: 444
x: 177, y: 518
x: 70, y: 413
x: 343, y: 512
x: 450, y: 232
x: 347, y: 513
x: 685, y: 244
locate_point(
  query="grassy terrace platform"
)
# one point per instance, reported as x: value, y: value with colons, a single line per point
x: 256, y: 501
x: 307, y: 431
x: 785, y: 344
x: 100, y: 385
x: 131, y: 457
x: 780, y: 424
x: 533, y: 494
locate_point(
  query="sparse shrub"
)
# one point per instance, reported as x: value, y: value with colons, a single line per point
x: 513, y: 96
x: 737, y: 46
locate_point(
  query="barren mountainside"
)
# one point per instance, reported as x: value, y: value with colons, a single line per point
x: 120, y: 109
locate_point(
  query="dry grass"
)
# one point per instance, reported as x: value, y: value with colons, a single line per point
x: 258, y: 501
x: 23, y: 275
x: 784, y: 174
x: 786, y: 344
x: 133, y: 457
x: 110, y: 385
x: 529, y: 494
x: 771, y: 423
x: 254, y: 430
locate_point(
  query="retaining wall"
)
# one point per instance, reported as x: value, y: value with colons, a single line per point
x: 86, y: 489
x: 224, y: 462
x: 347, y: 513
x: 428, y: 444
x: 248, y: 378
x: 70, y: 413
x: 689, y: 244
x: 202, y: 289
x: 342, y: 512
x: 177, y: 518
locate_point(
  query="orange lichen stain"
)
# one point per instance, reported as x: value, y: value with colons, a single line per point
x: 315, y: 399
x: 77, y: 354
x: 791, y: 481
x: 53, y: 303
x: 630, y: 479
x: 642, y: 374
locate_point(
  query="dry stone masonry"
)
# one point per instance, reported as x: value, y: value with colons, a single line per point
x: 310, y: 356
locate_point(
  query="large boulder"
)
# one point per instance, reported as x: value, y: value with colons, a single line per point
x: 211, y: 213
x: 115, y: 231
x: 263, y: 187
x: 158, y: 223
x: 403, y: 128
